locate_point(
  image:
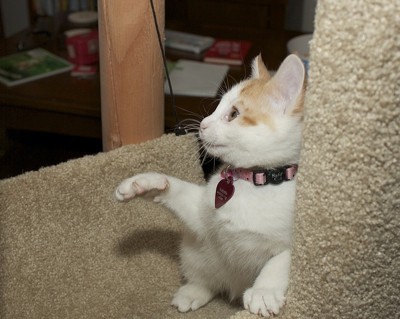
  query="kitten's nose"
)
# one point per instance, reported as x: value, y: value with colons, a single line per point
x: 203, y: 125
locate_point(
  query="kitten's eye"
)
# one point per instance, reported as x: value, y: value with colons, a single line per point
x: 233, y: 114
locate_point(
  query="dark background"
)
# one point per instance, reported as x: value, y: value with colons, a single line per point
x: 261, y: 21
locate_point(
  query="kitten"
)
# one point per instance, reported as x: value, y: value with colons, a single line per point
x: 238, y: 237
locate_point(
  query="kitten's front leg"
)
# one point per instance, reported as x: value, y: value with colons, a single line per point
x: 267, y: 295
x: 149, y: 185
x: 183, y: 198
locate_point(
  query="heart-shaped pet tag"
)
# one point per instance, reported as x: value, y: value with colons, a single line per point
x: 224, y: 192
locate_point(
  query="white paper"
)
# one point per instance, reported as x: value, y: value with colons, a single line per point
x: 192, y: 78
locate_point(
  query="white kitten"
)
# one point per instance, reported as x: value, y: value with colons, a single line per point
x: 238, y: 236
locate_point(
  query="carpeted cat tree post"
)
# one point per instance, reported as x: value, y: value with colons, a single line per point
x: 69, y: 250
x: 347, y: 238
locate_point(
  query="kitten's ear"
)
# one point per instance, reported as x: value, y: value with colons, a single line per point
x: 259, y: 70
x: 289, y: 82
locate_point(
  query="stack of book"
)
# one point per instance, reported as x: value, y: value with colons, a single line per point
x: 223, y: 51
x: 202, y: 79
x: 232, y: 52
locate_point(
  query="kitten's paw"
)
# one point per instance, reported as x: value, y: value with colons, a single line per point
x: 191, y: 297
x: 150, y: 184
x: 263, y: 301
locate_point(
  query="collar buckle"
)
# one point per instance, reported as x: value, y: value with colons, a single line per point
x: 274, y: 176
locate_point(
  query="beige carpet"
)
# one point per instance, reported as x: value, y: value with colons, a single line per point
x: 347, y: 238
x: 69, y: 250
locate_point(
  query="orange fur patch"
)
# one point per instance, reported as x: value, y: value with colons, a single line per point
x: 247, y: 120
x: 252, y: 103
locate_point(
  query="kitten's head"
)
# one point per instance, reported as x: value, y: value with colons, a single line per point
x: 259, y: 121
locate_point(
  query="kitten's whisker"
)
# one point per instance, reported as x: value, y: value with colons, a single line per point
x: 191, y: 128
x: 204, y: 153
x: 222, y: 89
x: 210, y: 108
x: 188, y: 112
x: 190, y: 121
x: 226, y: 86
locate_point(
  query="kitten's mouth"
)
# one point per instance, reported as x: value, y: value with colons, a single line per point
x: 210, y: 146
x: 216, y: 149
x: 216, y: 146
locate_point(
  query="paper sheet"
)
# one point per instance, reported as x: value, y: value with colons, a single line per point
x: 192, y: 78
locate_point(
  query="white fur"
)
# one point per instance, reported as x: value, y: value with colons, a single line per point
x: 242, y: 248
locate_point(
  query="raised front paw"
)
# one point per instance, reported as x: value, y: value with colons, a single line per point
x: 149, y: 184
x: 263, y: 301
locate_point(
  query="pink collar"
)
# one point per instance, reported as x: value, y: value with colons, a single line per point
x: 261, y: 177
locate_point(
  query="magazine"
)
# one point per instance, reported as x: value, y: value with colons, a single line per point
x: 31, y: 65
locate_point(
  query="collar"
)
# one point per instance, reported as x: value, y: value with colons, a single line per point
x: 261, y: 177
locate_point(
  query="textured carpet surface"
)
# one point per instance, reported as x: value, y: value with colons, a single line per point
x: 347, y: 238
x: 69, y: 250
x: 346, y: 258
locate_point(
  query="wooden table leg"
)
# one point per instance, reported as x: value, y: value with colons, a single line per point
x: 132, y: 85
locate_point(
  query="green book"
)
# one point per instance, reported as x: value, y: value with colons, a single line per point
x: 31, y: 65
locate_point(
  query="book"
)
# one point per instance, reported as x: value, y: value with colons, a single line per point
x: 192, y: 78
x: 232, y: 52
x: 31, y: 65
x: 186, y: 41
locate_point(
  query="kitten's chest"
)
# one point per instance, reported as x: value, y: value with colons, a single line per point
x: 265, y: 211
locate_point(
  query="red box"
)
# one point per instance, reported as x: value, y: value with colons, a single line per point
x: 83, y: 48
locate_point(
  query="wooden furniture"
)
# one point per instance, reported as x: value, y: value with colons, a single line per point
x: 59, y: 104
x: 67, y: 105
x: 132, y: 90
x: 227, y: 18
x: 260, y: 21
